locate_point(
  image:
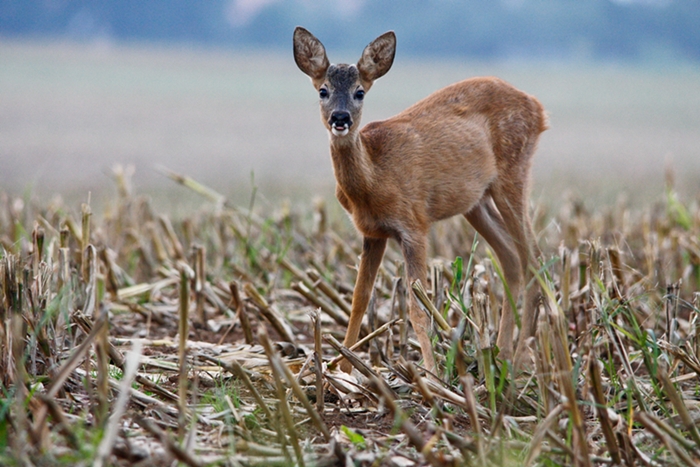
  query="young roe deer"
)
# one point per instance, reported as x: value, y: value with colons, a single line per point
x: 465, y: 149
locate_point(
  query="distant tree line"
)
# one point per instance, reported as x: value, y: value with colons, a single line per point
x: 596, y: 29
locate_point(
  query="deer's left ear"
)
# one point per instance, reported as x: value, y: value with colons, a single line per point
x: 377, y: 57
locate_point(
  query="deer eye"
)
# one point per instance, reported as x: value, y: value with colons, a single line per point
x: 359, y: 94
x: 323, y: 93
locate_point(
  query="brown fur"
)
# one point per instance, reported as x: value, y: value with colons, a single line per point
x: 465, y: 149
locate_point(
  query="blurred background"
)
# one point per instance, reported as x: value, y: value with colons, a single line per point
x: 210, y: 90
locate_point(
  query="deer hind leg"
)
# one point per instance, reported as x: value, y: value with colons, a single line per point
x: 415, y: 253
x: 371, y: 259
x: 511, y: 201
x: 488, y: 223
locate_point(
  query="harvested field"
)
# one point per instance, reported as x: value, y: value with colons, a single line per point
x: 131, y: 337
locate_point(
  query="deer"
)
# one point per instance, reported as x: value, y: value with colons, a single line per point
x: 464, y: 150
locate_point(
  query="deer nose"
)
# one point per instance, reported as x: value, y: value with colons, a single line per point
x: 341, y: 118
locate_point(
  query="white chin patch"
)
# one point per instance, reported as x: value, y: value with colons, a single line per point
x: 342, y: 132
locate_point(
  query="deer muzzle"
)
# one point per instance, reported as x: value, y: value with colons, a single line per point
x: 340, y: 122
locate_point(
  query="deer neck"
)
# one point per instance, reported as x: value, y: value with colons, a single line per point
x: 354, y: 170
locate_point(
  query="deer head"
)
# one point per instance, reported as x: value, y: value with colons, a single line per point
x: 341, y: 88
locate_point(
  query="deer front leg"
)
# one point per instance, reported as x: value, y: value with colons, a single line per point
x: 372, y: 254
x: 414, y: 252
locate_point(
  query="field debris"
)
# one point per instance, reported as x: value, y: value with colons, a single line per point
x: 128, y: 337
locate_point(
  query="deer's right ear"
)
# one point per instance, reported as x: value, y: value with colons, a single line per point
x: 310, y: 54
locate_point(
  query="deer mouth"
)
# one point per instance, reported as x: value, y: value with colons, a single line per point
x: 340, y: 129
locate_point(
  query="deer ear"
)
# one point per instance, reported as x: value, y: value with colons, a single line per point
x: 377, y: 57
x: 310, y: 54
